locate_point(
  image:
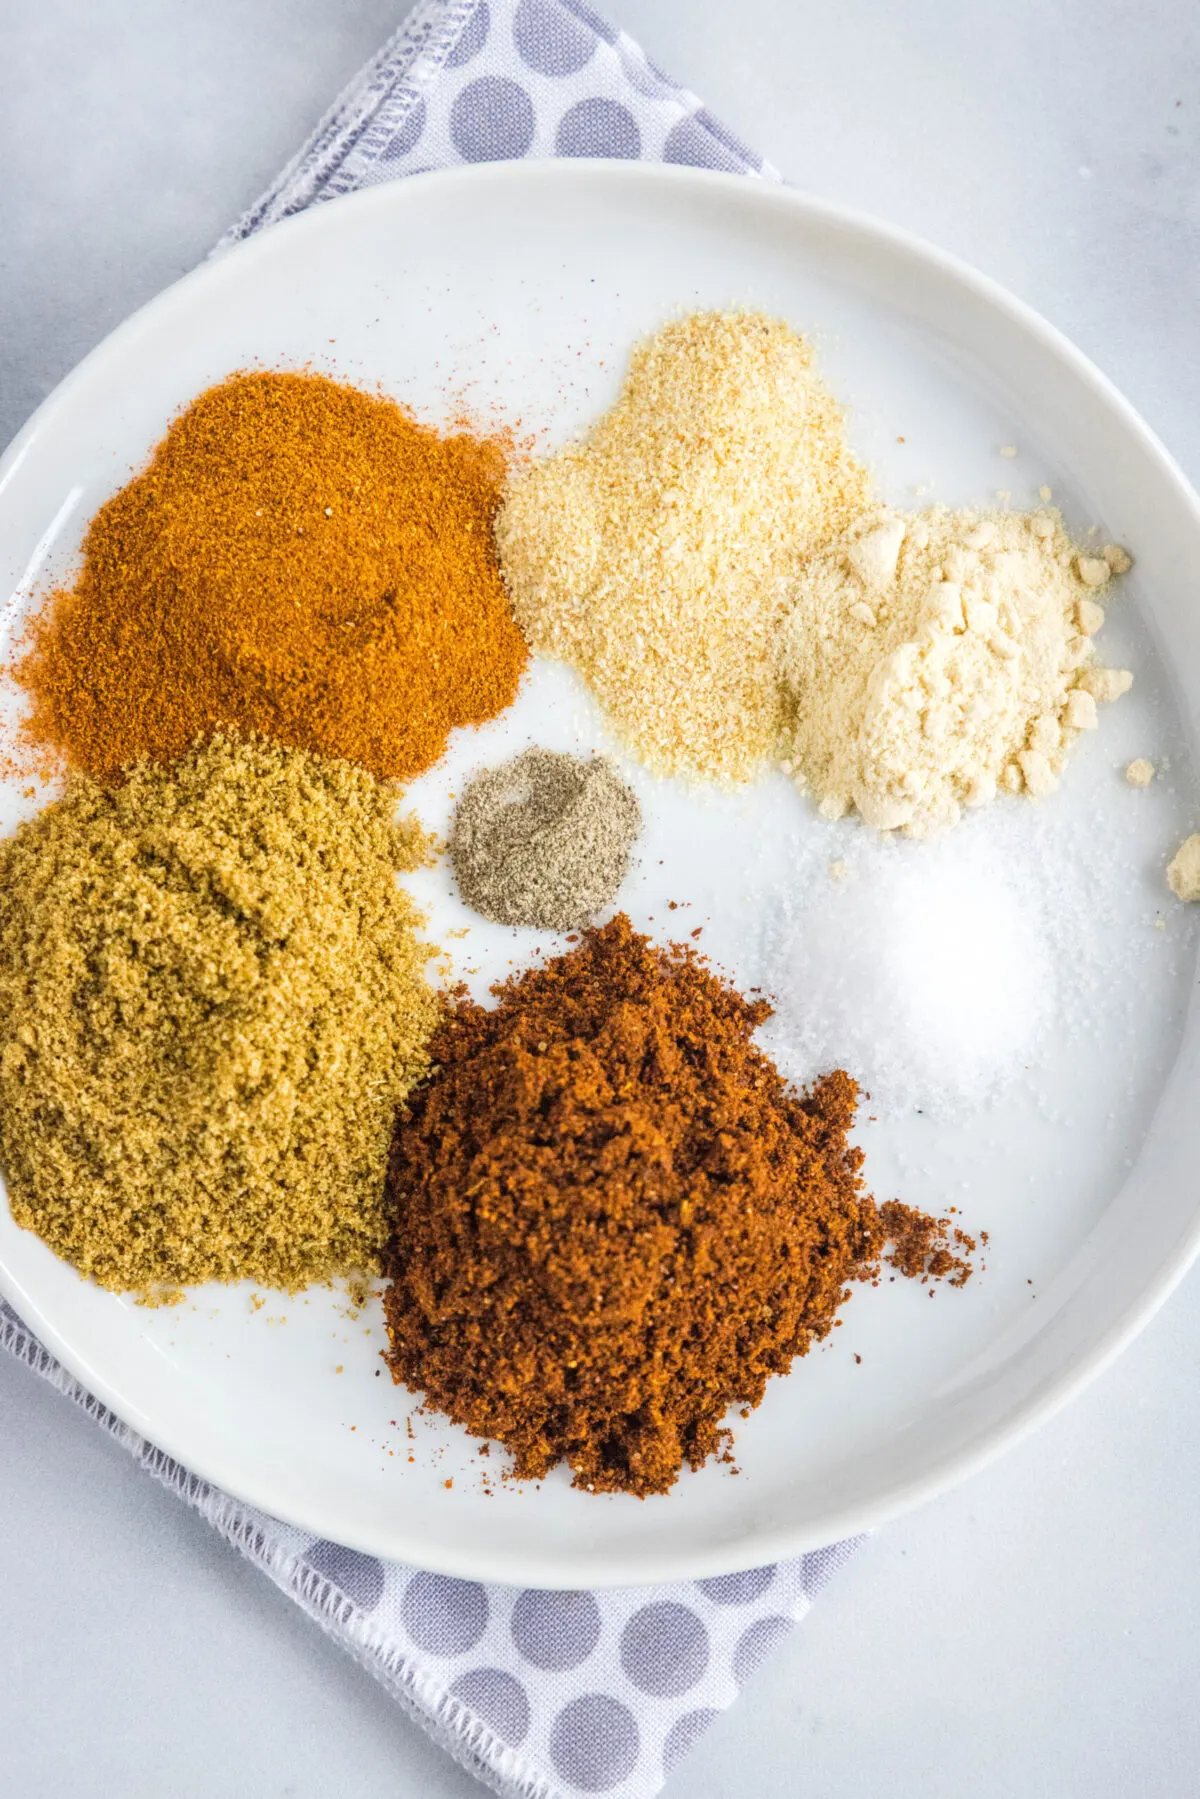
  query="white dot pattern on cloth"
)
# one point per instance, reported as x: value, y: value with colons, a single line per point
x: 498, y: 1699
x: 443, y: 1615
x: 682, y: 1734
x: 472, y: 37
x: 550, y: 39
x: 492, y: 120
x: 594, y: 1743
x: 664, y: 1649
x: 409, y: 134
x: 738, y: 1589
x: 756, y: 1643
x: 598, y: 127
x: 358, y: 1577
x: 548, y: 1694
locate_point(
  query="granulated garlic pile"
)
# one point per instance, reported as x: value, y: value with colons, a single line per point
x: 936, y: 658
x: 649, y: 557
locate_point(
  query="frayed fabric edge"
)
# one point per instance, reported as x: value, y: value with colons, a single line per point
x: 365, y: 115
x: 447, y: 1720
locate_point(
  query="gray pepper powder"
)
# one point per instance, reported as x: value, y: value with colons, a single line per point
x: 544, y: 840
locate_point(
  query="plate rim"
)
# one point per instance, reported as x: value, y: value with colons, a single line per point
x: 950, y: 1467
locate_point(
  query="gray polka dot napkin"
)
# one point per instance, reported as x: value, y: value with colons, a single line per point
x: 542, y: 1695
x: 489, y: 80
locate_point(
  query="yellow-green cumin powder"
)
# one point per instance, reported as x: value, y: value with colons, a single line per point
x: 212, y: 1000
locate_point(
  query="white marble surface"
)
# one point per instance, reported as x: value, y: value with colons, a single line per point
x: 1034, y: 1632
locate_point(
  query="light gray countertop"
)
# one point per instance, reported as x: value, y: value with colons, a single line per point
x: 1034, y: 1632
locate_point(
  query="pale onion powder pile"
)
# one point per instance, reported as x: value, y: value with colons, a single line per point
x: 650, y: 556
x: 934, y: 659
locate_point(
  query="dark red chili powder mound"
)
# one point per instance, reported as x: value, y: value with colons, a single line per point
x: 613, y: 1219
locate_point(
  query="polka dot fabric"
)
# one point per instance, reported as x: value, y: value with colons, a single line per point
x: 490, y: 80
x: 538, y: 1693
x: 542, y: 1695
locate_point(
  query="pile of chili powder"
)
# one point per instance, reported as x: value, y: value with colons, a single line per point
x: 613, y: 1219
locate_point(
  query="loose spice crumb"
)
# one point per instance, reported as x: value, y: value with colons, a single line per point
x: 922, y: 1246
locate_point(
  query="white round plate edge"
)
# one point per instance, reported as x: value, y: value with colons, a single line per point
x: 941, y: 1473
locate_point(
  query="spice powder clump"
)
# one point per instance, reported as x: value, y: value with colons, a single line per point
x: 212, y: 999
x: 299, y: 559
x: 613, y: 1219
x: 934, y: 659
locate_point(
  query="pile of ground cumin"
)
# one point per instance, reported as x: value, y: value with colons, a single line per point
x: 613, y: 1219
x: 212, y: 999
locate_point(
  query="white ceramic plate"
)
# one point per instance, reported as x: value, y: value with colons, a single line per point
x: 518, y: 291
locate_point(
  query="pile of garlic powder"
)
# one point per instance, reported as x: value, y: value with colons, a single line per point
x: 933, y: 659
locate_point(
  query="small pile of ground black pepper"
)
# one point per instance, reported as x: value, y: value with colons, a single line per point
x: 544, y: 840
x: 613, y: 1219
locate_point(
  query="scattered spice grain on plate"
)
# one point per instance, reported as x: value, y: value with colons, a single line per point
x: 612, y: 1218
x: 649, y: 556
x: 212, y: 999
x: 1183, y: 872
x: 544, y: 840
x: 298, y: 558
